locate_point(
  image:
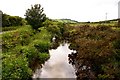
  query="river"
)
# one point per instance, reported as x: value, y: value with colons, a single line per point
x: 58, y: 65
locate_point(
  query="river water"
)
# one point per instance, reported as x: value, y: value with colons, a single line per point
x: 58, y: 65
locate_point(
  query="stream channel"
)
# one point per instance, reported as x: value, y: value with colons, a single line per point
x: 58, y: 64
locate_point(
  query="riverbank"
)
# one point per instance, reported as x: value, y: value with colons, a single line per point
x: 23, y: 51
x: 98, y: 51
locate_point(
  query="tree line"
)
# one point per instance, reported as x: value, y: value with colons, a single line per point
x: 8, y: 20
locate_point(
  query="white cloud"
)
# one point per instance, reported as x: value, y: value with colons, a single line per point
x: 81, y: 10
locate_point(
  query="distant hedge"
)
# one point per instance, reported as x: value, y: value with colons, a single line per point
x: 9, y: 28
x: 8, y: 20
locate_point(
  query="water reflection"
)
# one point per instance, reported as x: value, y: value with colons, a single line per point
x: 58, y: 65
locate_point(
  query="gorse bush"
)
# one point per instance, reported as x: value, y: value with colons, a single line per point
x: 24, y: 50
x: 43, y: 57
x: 41, y: 46
x: 55, y: 28
x: 15, y: 67
x: 16, y: 37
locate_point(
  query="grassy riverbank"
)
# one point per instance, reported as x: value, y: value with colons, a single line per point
x: 24, y: 50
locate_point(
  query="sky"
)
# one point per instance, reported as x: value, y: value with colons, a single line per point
x: 79, y: 10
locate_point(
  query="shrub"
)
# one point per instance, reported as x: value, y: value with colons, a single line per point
x: 15, y: 68
x: 43, y: 57
x: 42, y: 46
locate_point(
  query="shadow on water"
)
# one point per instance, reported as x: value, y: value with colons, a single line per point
x: 58, y: 65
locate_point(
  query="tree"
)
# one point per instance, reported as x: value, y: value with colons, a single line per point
x: 35, y: 16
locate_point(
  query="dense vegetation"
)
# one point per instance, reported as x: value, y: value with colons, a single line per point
x: 25, y: 47
x: 23, y: 50
x: 8, y: 20
x: 12, y: 22
x: 98, y: 51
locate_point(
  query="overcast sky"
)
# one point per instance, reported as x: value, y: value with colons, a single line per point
x: 80, y: 10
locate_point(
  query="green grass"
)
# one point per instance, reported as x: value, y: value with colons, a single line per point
x: 65, y: 20
x: 111, y: 23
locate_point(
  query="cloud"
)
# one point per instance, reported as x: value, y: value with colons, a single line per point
x: 81, y: 10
